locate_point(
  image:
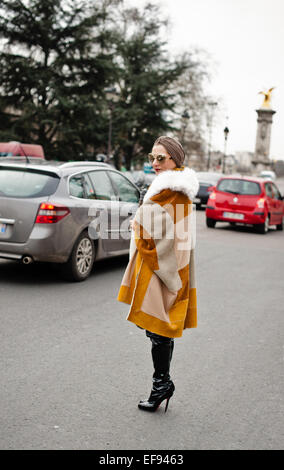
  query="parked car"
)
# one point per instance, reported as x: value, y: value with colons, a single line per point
x: 9, y: 149
x: 53, y: 213
x: 246, y: 200
x: 268, y: 175
x: 141, y: 179
x: 206, y: 181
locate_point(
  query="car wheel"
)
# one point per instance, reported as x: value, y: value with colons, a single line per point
x: 280, y: 226
x: 81, y: 260
x: 263, y: 228
x: 210, y: 222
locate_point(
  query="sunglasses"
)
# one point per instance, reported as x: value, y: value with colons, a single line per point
x: 159, y: 158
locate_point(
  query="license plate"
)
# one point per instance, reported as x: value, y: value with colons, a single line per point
x: 197, y: 200
x: 233, y: 215
x: 3, y: 228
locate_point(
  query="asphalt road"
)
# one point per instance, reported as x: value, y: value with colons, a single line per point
x: 73, y: 370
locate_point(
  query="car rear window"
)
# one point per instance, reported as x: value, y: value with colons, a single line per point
x: 27, y: 183
x: 237, y: 186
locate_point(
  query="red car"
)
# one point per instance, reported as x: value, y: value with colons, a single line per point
x: 8, y: 149
x: 246, y: 200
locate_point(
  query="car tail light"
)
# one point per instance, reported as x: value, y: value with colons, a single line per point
x: 260, y: 203
x: 212, y: 196
x: 51, y: 213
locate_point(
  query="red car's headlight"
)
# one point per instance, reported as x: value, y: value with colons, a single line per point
x: 212, y: 196
x: 260, y: 203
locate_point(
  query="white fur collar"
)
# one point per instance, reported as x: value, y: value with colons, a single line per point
x: 184, y: 181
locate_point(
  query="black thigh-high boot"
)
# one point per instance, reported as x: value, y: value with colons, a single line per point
x: 162, y: 387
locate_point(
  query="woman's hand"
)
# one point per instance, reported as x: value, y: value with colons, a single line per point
x: 132, y: 224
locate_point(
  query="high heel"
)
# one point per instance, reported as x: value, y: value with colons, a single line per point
x: 167, y: 404
x: 157, y: 397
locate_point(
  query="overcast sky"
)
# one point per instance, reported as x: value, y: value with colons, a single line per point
x: 245, y: 40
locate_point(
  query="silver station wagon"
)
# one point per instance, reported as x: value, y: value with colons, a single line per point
x: 68, y: 213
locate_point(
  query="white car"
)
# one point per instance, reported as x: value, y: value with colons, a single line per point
x: 268, y: 174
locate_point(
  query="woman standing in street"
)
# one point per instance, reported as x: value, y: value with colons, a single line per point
x: 159, y: 281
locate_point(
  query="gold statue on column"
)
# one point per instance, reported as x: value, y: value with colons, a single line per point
x: 267, y: 98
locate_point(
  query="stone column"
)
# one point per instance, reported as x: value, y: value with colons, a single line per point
x: 261, y: 159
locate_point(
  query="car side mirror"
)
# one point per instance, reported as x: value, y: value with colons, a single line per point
x: 210, y: 189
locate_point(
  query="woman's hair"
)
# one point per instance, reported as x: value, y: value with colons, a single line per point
x: 173, y: 147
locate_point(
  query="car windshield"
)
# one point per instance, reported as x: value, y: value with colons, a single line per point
x: 27, y: 183
x: 237, y: 186
x: 266, y: 175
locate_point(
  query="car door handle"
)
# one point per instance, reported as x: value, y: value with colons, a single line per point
x: 7, y: 221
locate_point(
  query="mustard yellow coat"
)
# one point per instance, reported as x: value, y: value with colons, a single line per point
x: 159, y: 281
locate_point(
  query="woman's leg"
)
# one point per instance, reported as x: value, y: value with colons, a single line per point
x: 162, y: 352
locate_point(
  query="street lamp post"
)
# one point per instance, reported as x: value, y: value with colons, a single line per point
x: 185, y: 117
x: 112, y: 96
x: 226, y: 133
x: 212, y: 104
x: 109, y: 131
